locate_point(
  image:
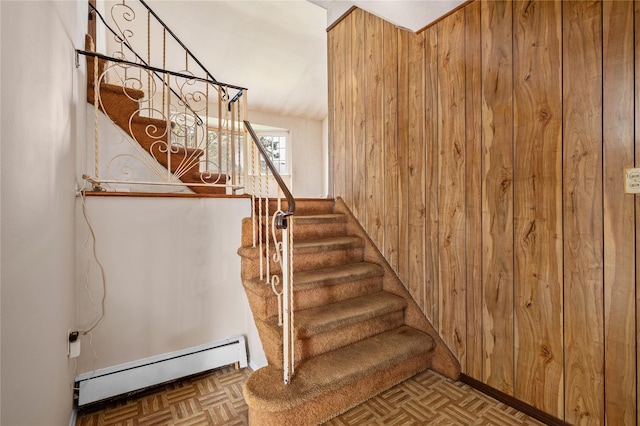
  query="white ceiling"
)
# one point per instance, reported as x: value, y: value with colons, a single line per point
x: 278, y: 48
x: 413, y: 15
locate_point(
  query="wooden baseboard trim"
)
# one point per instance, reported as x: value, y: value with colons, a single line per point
x: 529, y: 410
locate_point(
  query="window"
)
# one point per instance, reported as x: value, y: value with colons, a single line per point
x: 222, y: 153
x: 225, y: 154
x: 275, y: 143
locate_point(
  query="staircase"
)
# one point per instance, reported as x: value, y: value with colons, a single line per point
x: 122, y: 105
x: 357, y: 330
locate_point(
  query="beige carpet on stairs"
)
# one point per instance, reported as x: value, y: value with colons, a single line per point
x: 122, y: 106
x: 357, y: 331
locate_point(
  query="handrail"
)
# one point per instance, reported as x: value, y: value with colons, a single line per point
x: 284, y: 256
x: 281, y: 219
x: 155, y: 69
x: 132, y: 50
x: 179, y: 94
x: 273, y: 248
x: 173, y: 153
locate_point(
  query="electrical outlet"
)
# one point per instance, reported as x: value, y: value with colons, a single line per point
x: 632, y: 181
x: 73, y: 347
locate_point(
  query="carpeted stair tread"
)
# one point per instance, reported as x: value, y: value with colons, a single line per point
x: 207, y: 177
x: 318, y: 226
x: 152, y: 134
x: 322, y: 277
x: 129, y: 92
x: 321, y: 319
x: 264, y: 390
x: 149, y: 121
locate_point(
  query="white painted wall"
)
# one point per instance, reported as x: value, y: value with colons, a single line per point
x: 154, y: 305
x: 39, y: 127
x: 122, y: 159
x: 306, y: 152
x: 172, y: 277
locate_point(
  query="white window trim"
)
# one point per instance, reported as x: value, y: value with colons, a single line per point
x: 265, y: 131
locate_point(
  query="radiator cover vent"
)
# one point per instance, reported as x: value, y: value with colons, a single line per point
x: 121, y: 379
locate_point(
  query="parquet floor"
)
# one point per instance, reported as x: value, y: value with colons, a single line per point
x: 215, y: 398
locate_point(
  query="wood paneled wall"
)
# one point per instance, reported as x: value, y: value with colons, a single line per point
x: 485, y: 156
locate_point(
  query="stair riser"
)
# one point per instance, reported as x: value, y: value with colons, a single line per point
x: 265, y: 307
x: 116, y: 105
x: 305, y: 261
x: 330, y: 404
x: 154, y: 140
x: 334, y: 339
x: 308, y: 261
x: 312, y: 231
x: 302, y: 231
x: 311, y: 206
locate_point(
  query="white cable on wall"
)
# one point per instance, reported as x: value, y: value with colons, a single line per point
x: 100, y: 266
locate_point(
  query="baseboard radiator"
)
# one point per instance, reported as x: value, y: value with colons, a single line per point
x: 133, y: 376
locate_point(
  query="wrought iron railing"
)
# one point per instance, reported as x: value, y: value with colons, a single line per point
x: 169, y: 134
x: 181, y: 128
x: 282, y: 250
x: 184, y: 128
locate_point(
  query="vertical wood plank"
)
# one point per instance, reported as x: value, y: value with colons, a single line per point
x: 451, y: 186
x: 339, y: 124
x: 583, y: 227
x: 497, y: 194
x: 416, y: 169
x: 403, y: 154
x: 597, y: 306
x: 349, y: 105
x: 391, y: 192
x: 331, y: 87
x: 473, y: 189
x: 374, y: 141
x: 359, y: 114
x: 619, y: 253
x: 432, y: 298
x: 538, y: 204
x: 637, y: 199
